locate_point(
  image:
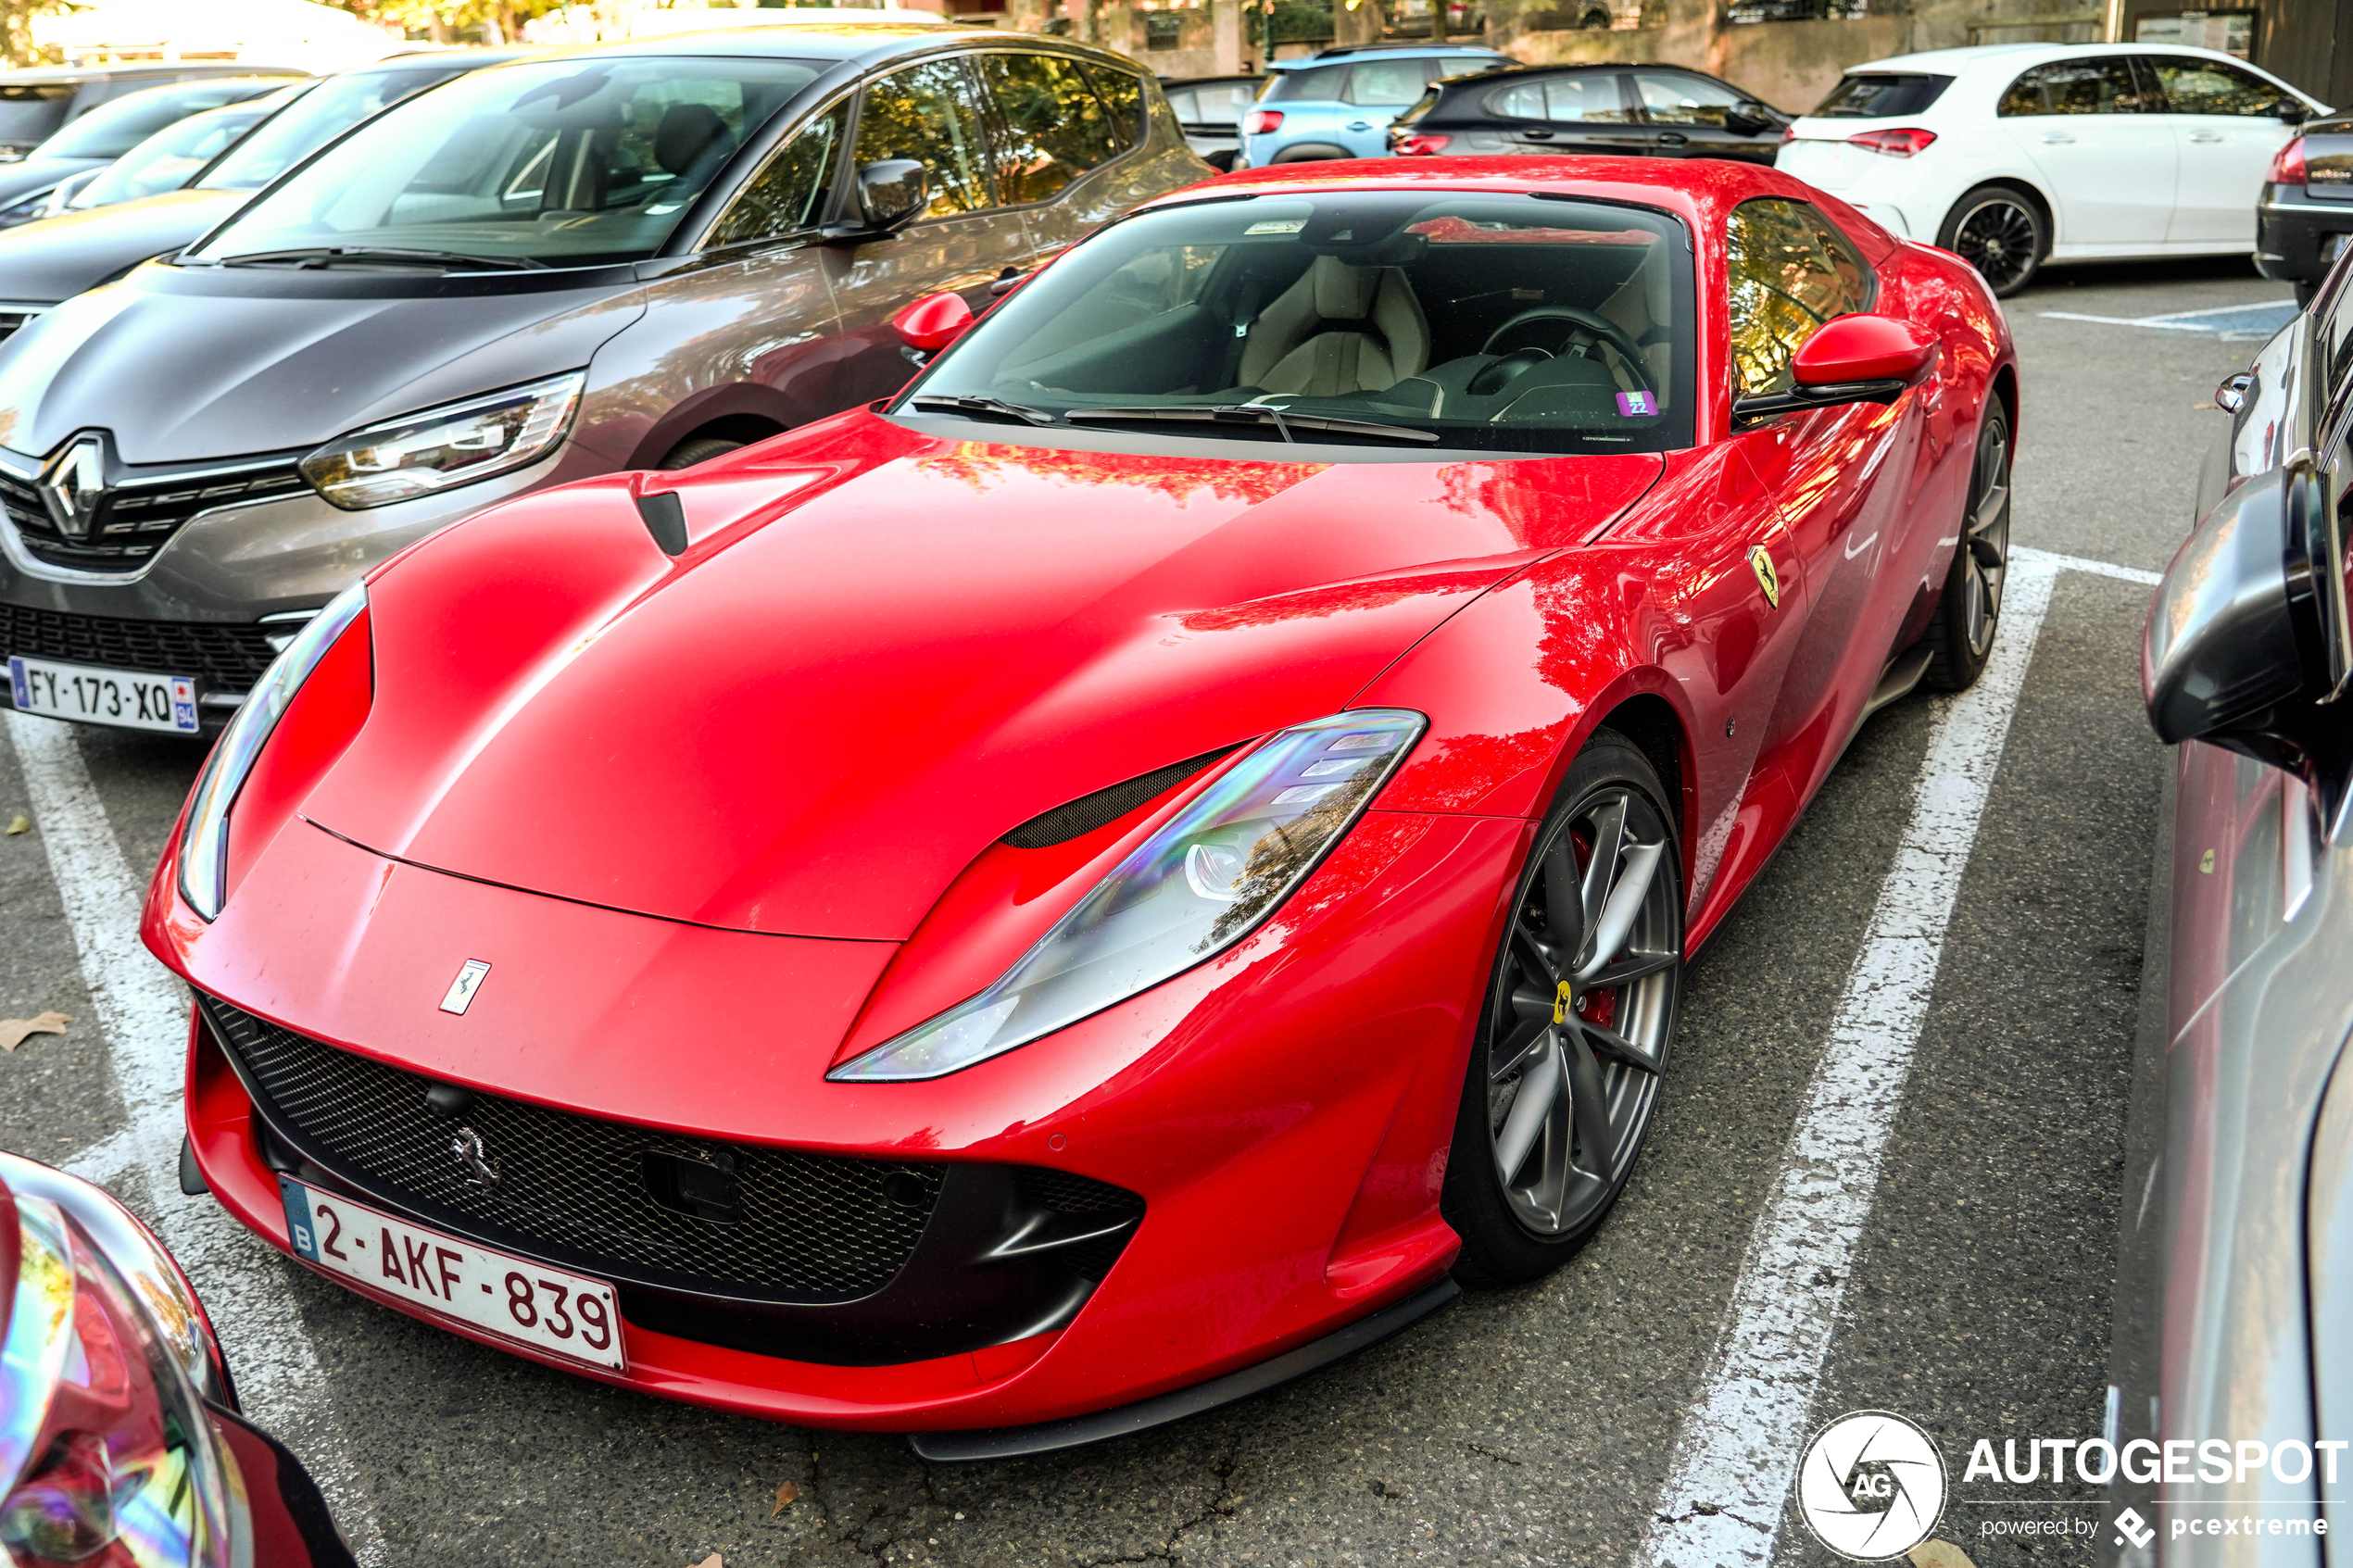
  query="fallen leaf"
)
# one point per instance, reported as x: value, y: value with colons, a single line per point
x: 20, y: 823
x: 785, y: 1493
x: 14, y: 1030
x: 1939, y: 1554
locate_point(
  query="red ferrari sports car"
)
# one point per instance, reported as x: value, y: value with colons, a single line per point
x: 1122, y: 871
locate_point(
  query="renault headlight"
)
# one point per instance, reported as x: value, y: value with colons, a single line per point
x: 445, y: 447
x: 1200, y: 883
x: 204, y: 841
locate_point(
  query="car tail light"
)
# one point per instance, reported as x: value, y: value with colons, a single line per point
x: 1894, y: 144
x: 2287, y: 164
x: 1420, y: 145
x: 1263, y: 121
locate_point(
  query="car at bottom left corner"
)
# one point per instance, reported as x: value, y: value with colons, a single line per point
x: 121, y: 1442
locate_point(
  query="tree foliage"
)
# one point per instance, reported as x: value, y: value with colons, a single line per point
x: 445, y: 19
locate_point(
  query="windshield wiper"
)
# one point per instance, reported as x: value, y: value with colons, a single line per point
x: 1253, y: 414
x: 958, y: 403
x: 329, y: 255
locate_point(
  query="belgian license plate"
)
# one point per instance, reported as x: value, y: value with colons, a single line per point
x: 104, y: 696
x: 512, y: 1297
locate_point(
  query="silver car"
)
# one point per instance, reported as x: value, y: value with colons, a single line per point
x: 2235, y: 1303
x: 638, y: 256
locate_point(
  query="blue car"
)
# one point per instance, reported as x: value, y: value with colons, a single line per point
x: 1339, y: 102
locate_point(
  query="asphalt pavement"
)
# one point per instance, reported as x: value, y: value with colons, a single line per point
x: 1536, y: 1425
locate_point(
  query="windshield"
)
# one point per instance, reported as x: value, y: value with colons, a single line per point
x: 112, y: 129
x: 28, y: 114
x: 324, y: 113
x: 1510, y: 324
x: 167, y: 159
x: 562, y: 163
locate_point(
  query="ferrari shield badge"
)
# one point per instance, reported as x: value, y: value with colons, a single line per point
x: 1760, y: 560
x: 462, y: 989
x: 1562, y: 1000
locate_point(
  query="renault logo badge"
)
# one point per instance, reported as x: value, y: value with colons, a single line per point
x: 73, y: 486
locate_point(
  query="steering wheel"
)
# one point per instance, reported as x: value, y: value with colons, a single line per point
x: 1514, y: 335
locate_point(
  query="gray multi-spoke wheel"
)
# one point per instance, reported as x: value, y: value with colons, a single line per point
x: 1960, y: 634
x: 1578, y: 1022
x: 2000, y: 231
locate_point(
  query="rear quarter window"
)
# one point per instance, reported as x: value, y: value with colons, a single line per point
x: 1882, y: 94
x: 1316, y: 81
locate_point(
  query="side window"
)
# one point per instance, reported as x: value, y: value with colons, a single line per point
x: 1055, y: 129
x: 2194, y: 86
x: 1123, y: 94
x: 1591, y: 97
x: 1673, y: 98
x: 789, y: 192
x: 1317, y: 81
x: 1789, y: 271
x: 1386, y: 82
x: 2095, y: 86
x: 926, y: 112
x: 1182, y: 105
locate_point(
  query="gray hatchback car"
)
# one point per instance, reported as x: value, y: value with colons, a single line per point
x: 630, y: 256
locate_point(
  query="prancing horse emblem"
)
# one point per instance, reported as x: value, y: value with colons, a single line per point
x: 1760, y: 560
x: 471, y: 1154
x: 73, y: 486
x: 461, y: 990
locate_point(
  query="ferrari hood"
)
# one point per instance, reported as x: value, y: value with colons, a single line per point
x: 183, y: 368
x: 882, y: 651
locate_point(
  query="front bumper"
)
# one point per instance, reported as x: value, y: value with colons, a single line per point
x: 1287, y: 1149
x: 231, y: 584
x: 2293, y: 233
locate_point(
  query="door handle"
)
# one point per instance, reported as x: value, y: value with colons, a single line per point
x: 1359, y: 125
x: 1006, y: 281
x: 1537, y: 136
x: 1672, y: 139
x: 2054, y: 137
x: 2206, y: 135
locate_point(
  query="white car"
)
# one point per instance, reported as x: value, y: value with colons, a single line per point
x: 2016, y: 154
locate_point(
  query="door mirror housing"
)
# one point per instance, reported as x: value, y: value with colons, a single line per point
x: 1747, y: 118
x: 2291, y: 111
x: 2232, y: 654
x: 1851, y: 360
x: 892, y: 192
x: 933, y: 323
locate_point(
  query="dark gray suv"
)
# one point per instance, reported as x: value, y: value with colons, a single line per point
x: 630, y: 256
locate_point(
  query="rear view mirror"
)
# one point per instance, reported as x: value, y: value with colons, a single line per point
x: 1852, y: 359
x: 933, y: 323
x: 2222, y: 659
x: 2290, y: 111
x: 1747, y: 120
x: 892, y: 192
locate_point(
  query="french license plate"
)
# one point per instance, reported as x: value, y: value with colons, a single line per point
x: 529, y: 1303
x: 104, y: 696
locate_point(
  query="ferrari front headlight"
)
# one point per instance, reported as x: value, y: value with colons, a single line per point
x: 1205, y: 880
x: 445, y: 447
x: 204, y: 841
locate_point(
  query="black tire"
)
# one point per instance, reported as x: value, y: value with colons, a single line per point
x: 698, y: 450
x: 1969, y: 610
x: 1519, y: 1223
x: 2003, y: 231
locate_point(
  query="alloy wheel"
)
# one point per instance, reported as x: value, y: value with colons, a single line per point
x: 1988, y: 541
x: 1999, y: 238
x: 1584, y: 1005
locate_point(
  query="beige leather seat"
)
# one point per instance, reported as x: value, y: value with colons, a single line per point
x: 1340, y: 328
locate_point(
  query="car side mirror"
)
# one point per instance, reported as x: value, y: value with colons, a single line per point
x: 1747, y: 120
x: 933, y: 323
x: 892, y: 192
x: 2223, y: 659
x: 1852, y: 359
x: 2291, y: 111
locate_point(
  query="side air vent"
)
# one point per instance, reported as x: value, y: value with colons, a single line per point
x: 1088, y: 812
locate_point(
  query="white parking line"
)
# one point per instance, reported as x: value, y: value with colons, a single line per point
x: 144, y: 1010
x: 1739, y: 1444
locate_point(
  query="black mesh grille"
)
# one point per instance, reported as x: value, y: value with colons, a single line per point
x: 136, y: 518
x: 1072, y: 1194
x: 225, y: 658
x: 575, y: 1189
x: 1088, y: 812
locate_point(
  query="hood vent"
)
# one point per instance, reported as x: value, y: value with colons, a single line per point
x: 1088, y: 812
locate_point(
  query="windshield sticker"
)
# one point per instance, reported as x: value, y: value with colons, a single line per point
x: 1452, y: 231
x: 1277, y: 226
x: 1633, y: 402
